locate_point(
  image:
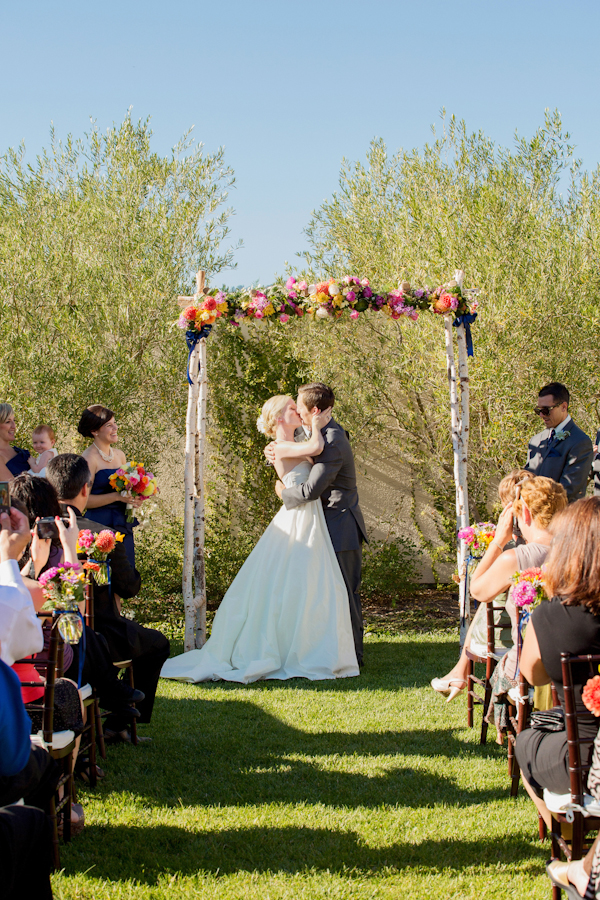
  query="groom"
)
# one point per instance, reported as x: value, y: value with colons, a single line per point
x: 333, y: 479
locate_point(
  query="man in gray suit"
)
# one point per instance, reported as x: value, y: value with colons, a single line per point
x: 333, y: 479
x: 562, y: 451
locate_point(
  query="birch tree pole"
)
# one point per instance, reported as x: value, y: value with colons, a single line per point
x: 459, y: 413
x: 193, y: 581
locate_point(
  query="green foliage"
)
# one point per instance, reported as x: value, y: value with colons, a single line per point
x: 462, y: 202
x: 389, y: 567
x: 97, y: 237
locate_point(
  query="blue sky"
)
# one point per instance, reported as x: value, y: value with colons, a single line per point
x: 289, y: 89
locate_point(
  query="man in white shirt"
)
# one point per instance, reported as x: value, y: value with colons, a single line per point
x: 20, y: 629
x: 562, y: 451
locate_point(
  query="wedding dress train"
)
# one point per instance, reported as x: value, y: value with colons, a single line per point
x: 286, y: 614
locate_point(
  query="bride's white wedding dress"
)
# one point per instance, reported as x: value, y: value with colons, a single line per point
x: 286, y: 614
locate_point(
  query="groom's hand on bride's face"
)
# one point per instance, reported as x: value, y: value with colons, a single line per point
x: 269, y: 452
x: 279, y: 487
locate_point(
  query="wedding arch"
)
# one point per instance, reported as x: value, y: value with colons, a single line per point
x: 280, y: 303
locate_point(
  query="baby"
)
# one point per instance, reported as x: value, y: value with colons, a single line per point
x: 43, y: 440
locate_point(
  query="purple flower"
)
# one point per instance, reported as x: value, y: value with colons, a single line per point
x: 292, y: 295
x: 350, y: 296
x: 367, y: 292
x: 182, y: 321
x: 454, y: 303
x: 419, y: 293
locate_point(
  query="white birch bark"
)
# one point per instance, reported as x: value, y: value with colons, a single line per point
x: 199, y: 511
x: 190, y: 490
x: 462, y: 490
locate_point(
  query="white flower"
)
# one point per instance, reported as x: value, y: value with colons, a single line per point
x: 322, y: 313
x: 260, y: 424
x: 561, y: 435
x: 334, y: 289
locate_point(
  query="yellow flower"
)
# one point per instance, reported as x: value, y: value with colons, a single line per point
x: 119, y: 537
x: 323, y: 298
x: 245, y: 304
x: 222, y: 307
x: 268, y: 310
x: 386, y: 310
x: 338, y: 300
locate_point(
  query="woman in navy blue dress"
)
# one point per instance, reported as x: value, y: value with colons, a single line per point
x: 105, y: 505
x: 13, y: 460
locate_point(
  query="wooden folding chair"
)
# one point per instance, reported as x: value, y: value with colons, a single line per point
x: 60, y: 745
x: 489, y: 657
x: 578, y: 809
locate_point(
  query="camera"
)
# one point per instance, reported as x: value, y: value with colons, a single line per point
x: 48, y: 529
x: 5, y: 496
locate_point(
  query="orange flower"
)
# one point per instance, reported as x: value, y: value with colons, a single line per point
x: 591, y: 695
x: 105, y: 542
x: 323, y: 287
x: 190, y: 313
x: 210, y: 303
x: 91, y: 566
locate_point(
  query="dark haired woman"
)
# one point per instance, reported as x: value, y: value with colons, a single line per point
x: 104, y: 504
x: 13, y: 460
x: 39, y: 501
x: 568, y: 623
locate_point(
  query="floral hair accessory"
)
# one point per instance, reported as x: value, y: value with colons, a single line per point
x: 260, y: 424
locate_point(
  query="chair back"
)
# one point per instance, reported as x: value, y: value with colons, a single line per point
x: 578, y: 762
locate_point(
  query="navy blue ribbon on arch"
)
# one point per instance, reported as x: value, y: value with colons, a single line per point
x: 467, y: 320
x: 191, y: 339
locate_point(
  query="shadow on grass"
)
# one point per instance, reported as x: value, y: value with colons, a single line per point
x: 145, y: 854
x: 232, y: 752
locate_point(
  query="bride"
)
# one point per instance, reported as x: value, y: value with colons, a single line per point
x: 286, y: 614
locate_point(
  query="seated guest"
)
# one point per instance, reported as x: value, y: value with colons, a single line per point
x: 25, y: 832
x: 540, y: 499
x: 40, y: 501
x: 71, y: 478
x: 568, y: 623
x: 13, y: 460
x: 561, y: 451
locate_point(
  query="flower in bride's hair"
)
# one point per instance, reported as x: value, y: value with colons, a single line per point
x: 591, y: 695
x: 260, y: 424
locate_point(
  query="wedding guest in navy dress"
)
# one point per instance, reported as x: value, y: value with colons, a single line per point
x: 105, y: 505
x: 13, y: 460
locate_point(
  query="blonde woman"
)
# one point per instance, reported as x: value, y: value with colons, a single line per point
x: 286, y: 613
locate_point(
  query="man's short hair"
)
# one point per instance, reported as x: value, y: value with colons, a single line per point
x: 556, y: 390
x: 67, y: 473
x: 317, y: 394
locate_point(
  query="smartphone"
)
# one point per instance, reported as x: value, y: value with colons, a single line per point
x: 5, y: 496
x: 47, y: 528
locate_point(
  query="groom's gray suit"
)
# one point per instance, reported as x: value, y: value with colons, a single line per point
x: 333, y: 479
x: 568, y: 461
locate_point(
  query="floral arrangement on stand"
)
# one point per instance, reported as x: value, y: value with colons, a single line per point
x: 63, y: 589
x: 478, y: 538
x: 528, y: 588
x: 332, y: 299
x: 132, y: 478
x: 97, y: 548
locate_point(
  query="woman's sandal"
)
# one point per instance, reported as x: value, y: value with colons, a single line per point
x: 82, y: 770
x: 449, y: 687
x: 556, y: 870
x: 77, y: 820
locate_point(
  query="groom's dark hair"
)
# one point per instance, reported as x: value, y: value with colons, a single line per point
x: 317, y: 394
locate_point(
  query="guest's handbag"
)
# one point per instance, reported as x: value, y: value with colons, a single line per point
x: 549, y: 719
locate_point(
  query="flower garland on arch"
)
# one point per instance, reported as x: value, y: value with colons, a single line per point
x: 332, y: 299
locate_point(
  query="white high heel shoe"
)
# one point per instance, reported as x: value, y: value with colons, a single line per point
x: 449, y: 687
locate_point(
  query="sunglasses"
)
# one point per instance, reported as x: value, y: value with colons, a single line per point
x: 545, y: 410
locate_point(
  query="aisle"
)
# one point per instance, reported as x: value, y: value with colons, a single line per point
x: 361, y: 788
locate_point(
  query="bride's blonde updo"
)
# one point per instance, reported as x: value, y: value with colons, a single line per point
x: 271, y: 411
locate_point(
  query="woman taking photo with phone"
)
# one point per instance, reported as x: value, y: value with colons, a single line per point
x: 105, y: 505
x: 13, y: 460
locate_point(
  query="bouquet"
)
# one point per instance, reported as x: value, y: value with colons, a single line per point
x: 591, y: 695
x: 133, y: 478
x: 97, y: 547
x: 528, y: 590
x: 478, y: 537
x: 62, y: 587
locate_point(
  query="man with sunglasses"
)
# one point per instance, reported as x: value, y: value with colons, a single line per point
x: 562, y: 451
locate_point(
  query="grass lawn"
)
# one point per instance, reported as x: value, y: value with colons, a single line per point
x: 367, y: 787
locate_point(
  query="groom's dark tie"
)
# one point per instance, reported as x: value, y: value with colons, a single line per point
x: 551, y: 438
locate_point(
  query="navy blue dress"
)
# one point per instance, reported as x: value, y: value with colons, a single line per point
x: 19, y: 463
x: 113, y: 515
